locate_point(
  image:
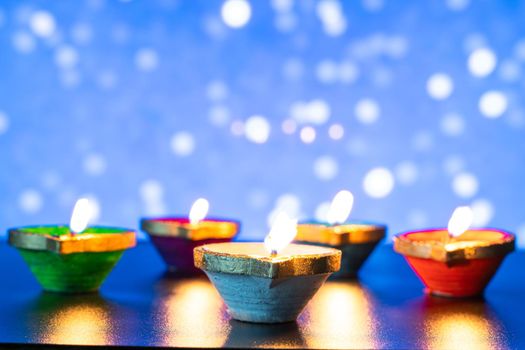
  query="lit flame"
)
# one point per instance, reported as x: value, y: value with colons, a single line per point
x: 460, y: 221
x: 199, y: 210
x: 340, y: 207
x: 80, y: 217
x: 282, y: 233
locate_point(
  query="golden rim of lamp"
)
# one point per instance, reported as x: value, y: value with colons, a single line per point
x: 438, y: 245
x: 206, y: 229
x: 78, y: 243
x: 252, y: 259
x: 337, y: 235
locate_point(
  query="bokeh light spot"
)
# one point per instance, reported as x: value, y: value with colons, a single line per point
x: 30, y: 201
x: 327, y: 71
x: 483, y: 210
x: 330, y: 12
x: 23, y: 42
x: 236, y: 13
x: 453, y: 164
x: 182, y: 143
x: 289, y: 126
x: 151, y: 190
x: 4, y: 123
x: 452, y: 124
x: 378, y: 182
x: 146, y: 60
x: 307, y: 134
x: 440, y: 86
x: 465, y: 185
x: 367, y: 111
x: 95, y: 164
x: 66, y: 57
x: 457, y: 5
x: 313, y: 112
x: 509, y: 71
x: 321, y: 212
x: 257, y: 129
x: 219, y: 115
x: 217, y: 90
x: 336, y: 132
x: 326, y: 168
x: 42, y: 23
x: 423, y: 141
x: 481, y: 62
x: 493, y: 104
x: 406, y: 172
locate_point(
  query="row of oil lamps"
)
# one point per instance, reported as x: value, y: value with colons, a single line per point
x: 271, y: 281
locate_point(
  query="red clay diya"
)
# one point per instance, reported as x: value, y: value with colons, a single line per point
x: 459, y: 266
x: 176, y: 237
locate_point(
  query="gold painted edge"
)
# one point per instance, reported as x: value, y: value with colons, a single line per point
x: 267, y: 267
x: 340, y: 234
x: 204, y: 230
x: 438, y: 252
x: 67, y: 244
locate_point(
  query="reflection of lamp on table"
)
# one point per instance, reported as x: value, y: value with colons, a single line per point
x: 81, y: 319
x: 460, y: 324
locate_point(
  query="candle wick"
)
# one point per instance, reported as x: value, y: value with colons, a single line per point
x: 273, y: 252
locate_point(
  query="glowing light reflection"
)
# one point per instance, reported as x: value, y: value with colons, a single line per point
x: 79, y: 325
x: 341, y: 314
x: 191, y: 312
x: 460, y: 331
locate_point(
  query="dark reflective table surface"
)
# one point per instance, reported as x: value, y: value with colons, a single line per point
x: 141, y: 305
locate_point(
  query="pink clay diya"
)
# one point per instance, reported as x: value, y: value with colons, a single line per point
x: 176, y: 237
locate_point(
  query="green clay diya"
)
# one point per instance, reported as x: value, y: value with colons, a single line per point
x: 71, y: 263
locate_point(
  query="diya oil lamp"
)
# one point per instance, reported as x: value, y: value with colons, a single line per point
x: 72, y: 259
x: 268, y: 282
x: 176, y: 237
x: 355, y: 239
x: 458, y: 261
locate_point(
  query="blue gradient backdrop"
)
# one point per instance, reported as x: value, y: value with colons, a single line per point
x: 144, y: 106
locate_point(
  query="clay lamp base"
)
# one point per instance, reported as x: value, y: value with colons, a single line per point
x: 455, y: 267
x: 356, y: 240
x: 175, y: 239
x: 257, y: 287
x: 67, y: 263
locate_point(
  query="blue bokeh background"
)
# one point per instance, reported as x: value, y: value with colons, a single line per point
x: 144, y: 106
